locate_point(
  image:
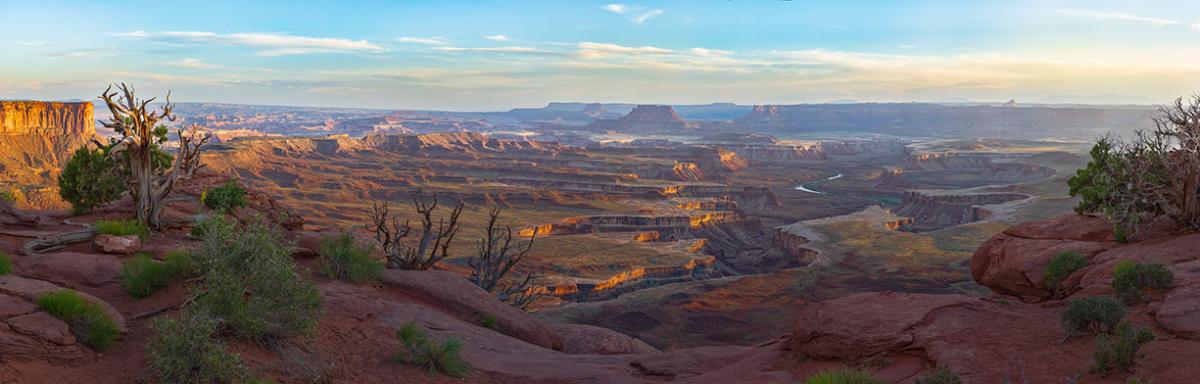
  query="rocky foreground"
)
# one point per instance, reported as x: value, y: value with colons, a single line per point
x: 1013, y: 335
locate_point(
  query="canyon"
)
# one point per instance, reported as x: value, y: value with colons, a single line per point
x: 36, y: 139
x: 667, y: 248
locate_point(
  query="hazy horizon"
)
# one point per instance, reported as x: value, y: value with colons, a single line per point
x: 498, y: 55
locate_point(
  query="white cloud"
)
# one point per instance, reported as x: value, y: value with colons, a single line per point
x: 906, y: 46
x: 513, y: 49
x: 590, y: 49
x: 193, y: 64
x: 496, y: 37
x: 434, y: 40
x: 616, y: 8
x: 270, y: 44
x: 708, y: 52
x: 1115, y: 16
x: 641, y: 18
x: 1196, y: 26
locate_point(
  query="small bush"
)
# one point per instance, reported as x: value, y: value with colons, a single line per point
x: 5, y: 264
x: 942, y: 375
x: 225, y: 197
x: 252, y: 284
x: 122, y: 228
x: 1119, y: 349
x: 184, y: 351
x: 489, y: 322
x: 90, y: 179
x: 842, y: 376
x: 142, y: 276
x: 1098, y: 314
x: 1061, y: 266
x: 10, y: 195
x: 418, y: 349
x: 180, y: 263
x: 88, y: 320
x: 343, y: 258
x: 213, y: 223
x: 1131, y: 280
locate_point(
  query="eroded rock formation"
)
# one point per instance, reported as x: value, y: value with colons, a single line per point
x: 36, y: 140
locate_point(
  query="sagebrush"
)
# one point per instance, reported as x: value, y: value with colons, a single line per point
x: 417, y: 348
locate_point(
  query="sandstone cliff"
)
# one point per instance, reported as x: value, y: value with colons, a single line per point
x: 36, y: 139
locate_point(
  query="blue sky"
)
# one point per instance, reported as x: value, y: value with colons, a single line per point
x: 494, y: 55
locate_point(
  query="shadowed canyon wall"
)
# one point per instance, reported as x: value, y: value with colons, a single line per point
x: 36, y: 140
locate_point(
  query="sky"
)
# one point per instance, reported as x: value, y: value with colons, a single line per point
x: 496, y: 55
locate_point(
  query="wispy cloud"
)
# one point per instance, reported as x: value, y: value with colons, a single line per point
x: 192, y: 63
x: 616, y: 8
x: 642, y: 17
x: 635, y: 13
x: 270, y: 44
x: 1114, y: 16
x: 513, y: 49
x: 1196, y: 26
x: 706, y: 52
x: 433, y: 40
x: 590, y: 49
x: 496, y: 37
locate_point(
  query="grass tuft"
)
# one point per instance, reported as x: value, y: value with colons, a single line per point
x: 88, y: 320
x: 122, y: 228
x: 418, y: 349
x: 842, y: 376
x: 5, y: 264
x: 343, y: 258
x: 142, y: 276
x: 1061, y: 266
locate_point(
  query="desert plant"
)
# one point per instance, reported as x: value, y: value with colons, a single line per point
x: 1120, y: 348
x: 225, y: 197
x: 142, y: 276
x: 212, y: 223
x: 1061, y: 266
x: 489, y: 322
x: 432, y: 247
x: 183, y: 350
x: 1096, y: 183
x: 90, y: 179
x: 138, y: 148
x: 181, y: 264
x: 5, y: 264
x: 11, y: 195
x: 122, y: 228
x: 496, y: 257
x: 842, y: 376
x: 343, y: 258
x: 1097, y: 314
x: 418, y: 349
x: 250, y: 281
x: 941, y: 375
x: 1131, y: 280
x: 88, y: 320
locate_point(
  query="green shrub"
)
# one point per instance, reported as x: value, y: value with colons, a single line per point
x: 142, y: 276
x: 225, y: 197
x: 184, y: 351
x: 343, y: 258
x: 1095, y: 183
x: 213, y: 223
x: 181, y: 264
x: 418, y: 349
x: 5, y: 264
x: 252, y: 284
x: 842, y: 376
x: 10, y: 195
x: 1061, y: 266
x: 1119, y: 349
x: 1131, y: 280
x: 89, y: 180
x: 88, y: 320
x: 1098, y: 314
x: 942, y: 375
x: 489, y: 322
x: 122, y: 228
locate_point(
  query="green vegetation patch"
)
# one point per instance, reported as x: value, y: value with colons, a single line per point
x: 183, y: 350
x: 417, y: 348
x: 942, y: 375
x: 1097, y: 314
x: 1061, y: 266
x: 842, y: 376
x: 90, y: 179
x: 142, y: 276
x: 1131, y: 280
x: 88, y: 320
x: 5, y: 264
x: 122, y: 228
x: 226, y: 196
x: 344, y: 258
x: 1119, y: 350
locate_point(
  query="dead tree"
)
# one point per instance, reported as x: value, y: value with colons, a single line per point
x: 141, y: 136
x: 496, y: 257
x: 433, y: 246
